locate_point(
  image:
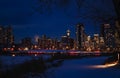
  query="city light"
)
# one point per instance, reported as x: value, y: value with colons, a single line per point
x: 13, y: 55
x: 104, y: 66
x: 35, y: 54
x: 26, y: 48
x: 60, y: 39
x: 105, y: 41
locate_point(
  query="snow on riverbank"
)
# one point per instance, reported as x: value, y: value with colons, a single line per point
x: 72, y: 68
x: 11, y: 61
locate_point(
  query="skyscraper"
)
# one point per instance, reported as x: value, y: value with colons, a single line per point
x: 26, y: 42
x: 6, y: 35
x: 79, y: 35
x: 9, y: 35
x: 108, y: 34
x: 1, y: 35
x: 68, y: 33
x: 117, y: 23
x: 67, y: 42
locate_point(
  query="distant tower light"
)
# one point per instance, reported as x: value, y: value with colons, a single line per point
x: 68, y: 32
x: 36, y: 38
x: 88, y: 38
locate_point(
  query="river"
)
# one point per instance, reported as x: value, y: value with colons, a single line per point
x: 84, y: 68
x: 87, y: 67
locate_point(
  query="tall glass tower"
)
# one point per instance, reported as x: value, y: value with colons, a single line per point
x: 79, y: 35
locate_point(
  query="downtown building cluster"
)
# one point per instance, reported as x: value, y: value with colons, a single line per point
x: 47, y: 43
x: 107, y: 40
x: 104, y: 41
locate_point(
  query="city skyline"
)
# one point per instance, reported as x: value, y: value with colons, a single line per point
x: 33, y: 37
x: 26, y: 21
x: 82, y: 41
x: 59, y: 38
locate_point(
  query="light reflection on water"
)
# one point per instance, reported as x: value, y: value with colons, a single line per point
x: 104, y: 66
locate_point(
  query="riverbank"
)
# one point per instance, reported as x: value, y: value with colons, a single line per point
x: 19, y: 66
x: 24, y: 66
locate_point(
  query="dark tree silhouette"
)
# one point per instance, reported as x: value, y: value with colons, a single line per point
x: 117, y: 27
x: 117, y: 7
x: 102, y: 11
x: 97, y: 10
x: 47, y: 6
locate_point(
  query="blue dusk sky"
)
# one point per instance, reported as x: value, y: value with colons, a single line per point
x: 27, y: 20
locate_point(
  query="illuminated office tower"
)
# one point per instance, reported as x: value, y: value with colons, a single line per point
x: 108, y: 34
x: 68, y: 33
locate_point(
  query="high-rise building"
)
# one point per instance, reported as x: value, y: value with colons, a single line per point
x: 117, y: 23
x: 108, y: 34
x: 9, y: 35
x: 36, y: 38
x: 96, y: 41
x: 79, y: 35
x: 6, y: 35
x: 67, y: 42
x: 68, y: 33
x: 117, y: 34
x: 47, y: 43
x: 64, y: 42
x: 26, y: 42
x: 1, y: 35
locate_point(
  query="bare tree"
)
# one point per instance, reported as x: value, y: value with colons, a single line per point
x: 99, y: 11
x: 48, y: 6
x: 92, y: 9
x: 117, y: 7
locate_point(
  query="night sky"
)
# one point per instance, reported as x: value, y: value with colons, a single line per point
x: 28, y: 21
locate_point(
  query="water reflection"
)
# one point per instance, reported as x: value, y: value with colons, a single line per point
x: 110, y: 62
x: 104, y: 66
